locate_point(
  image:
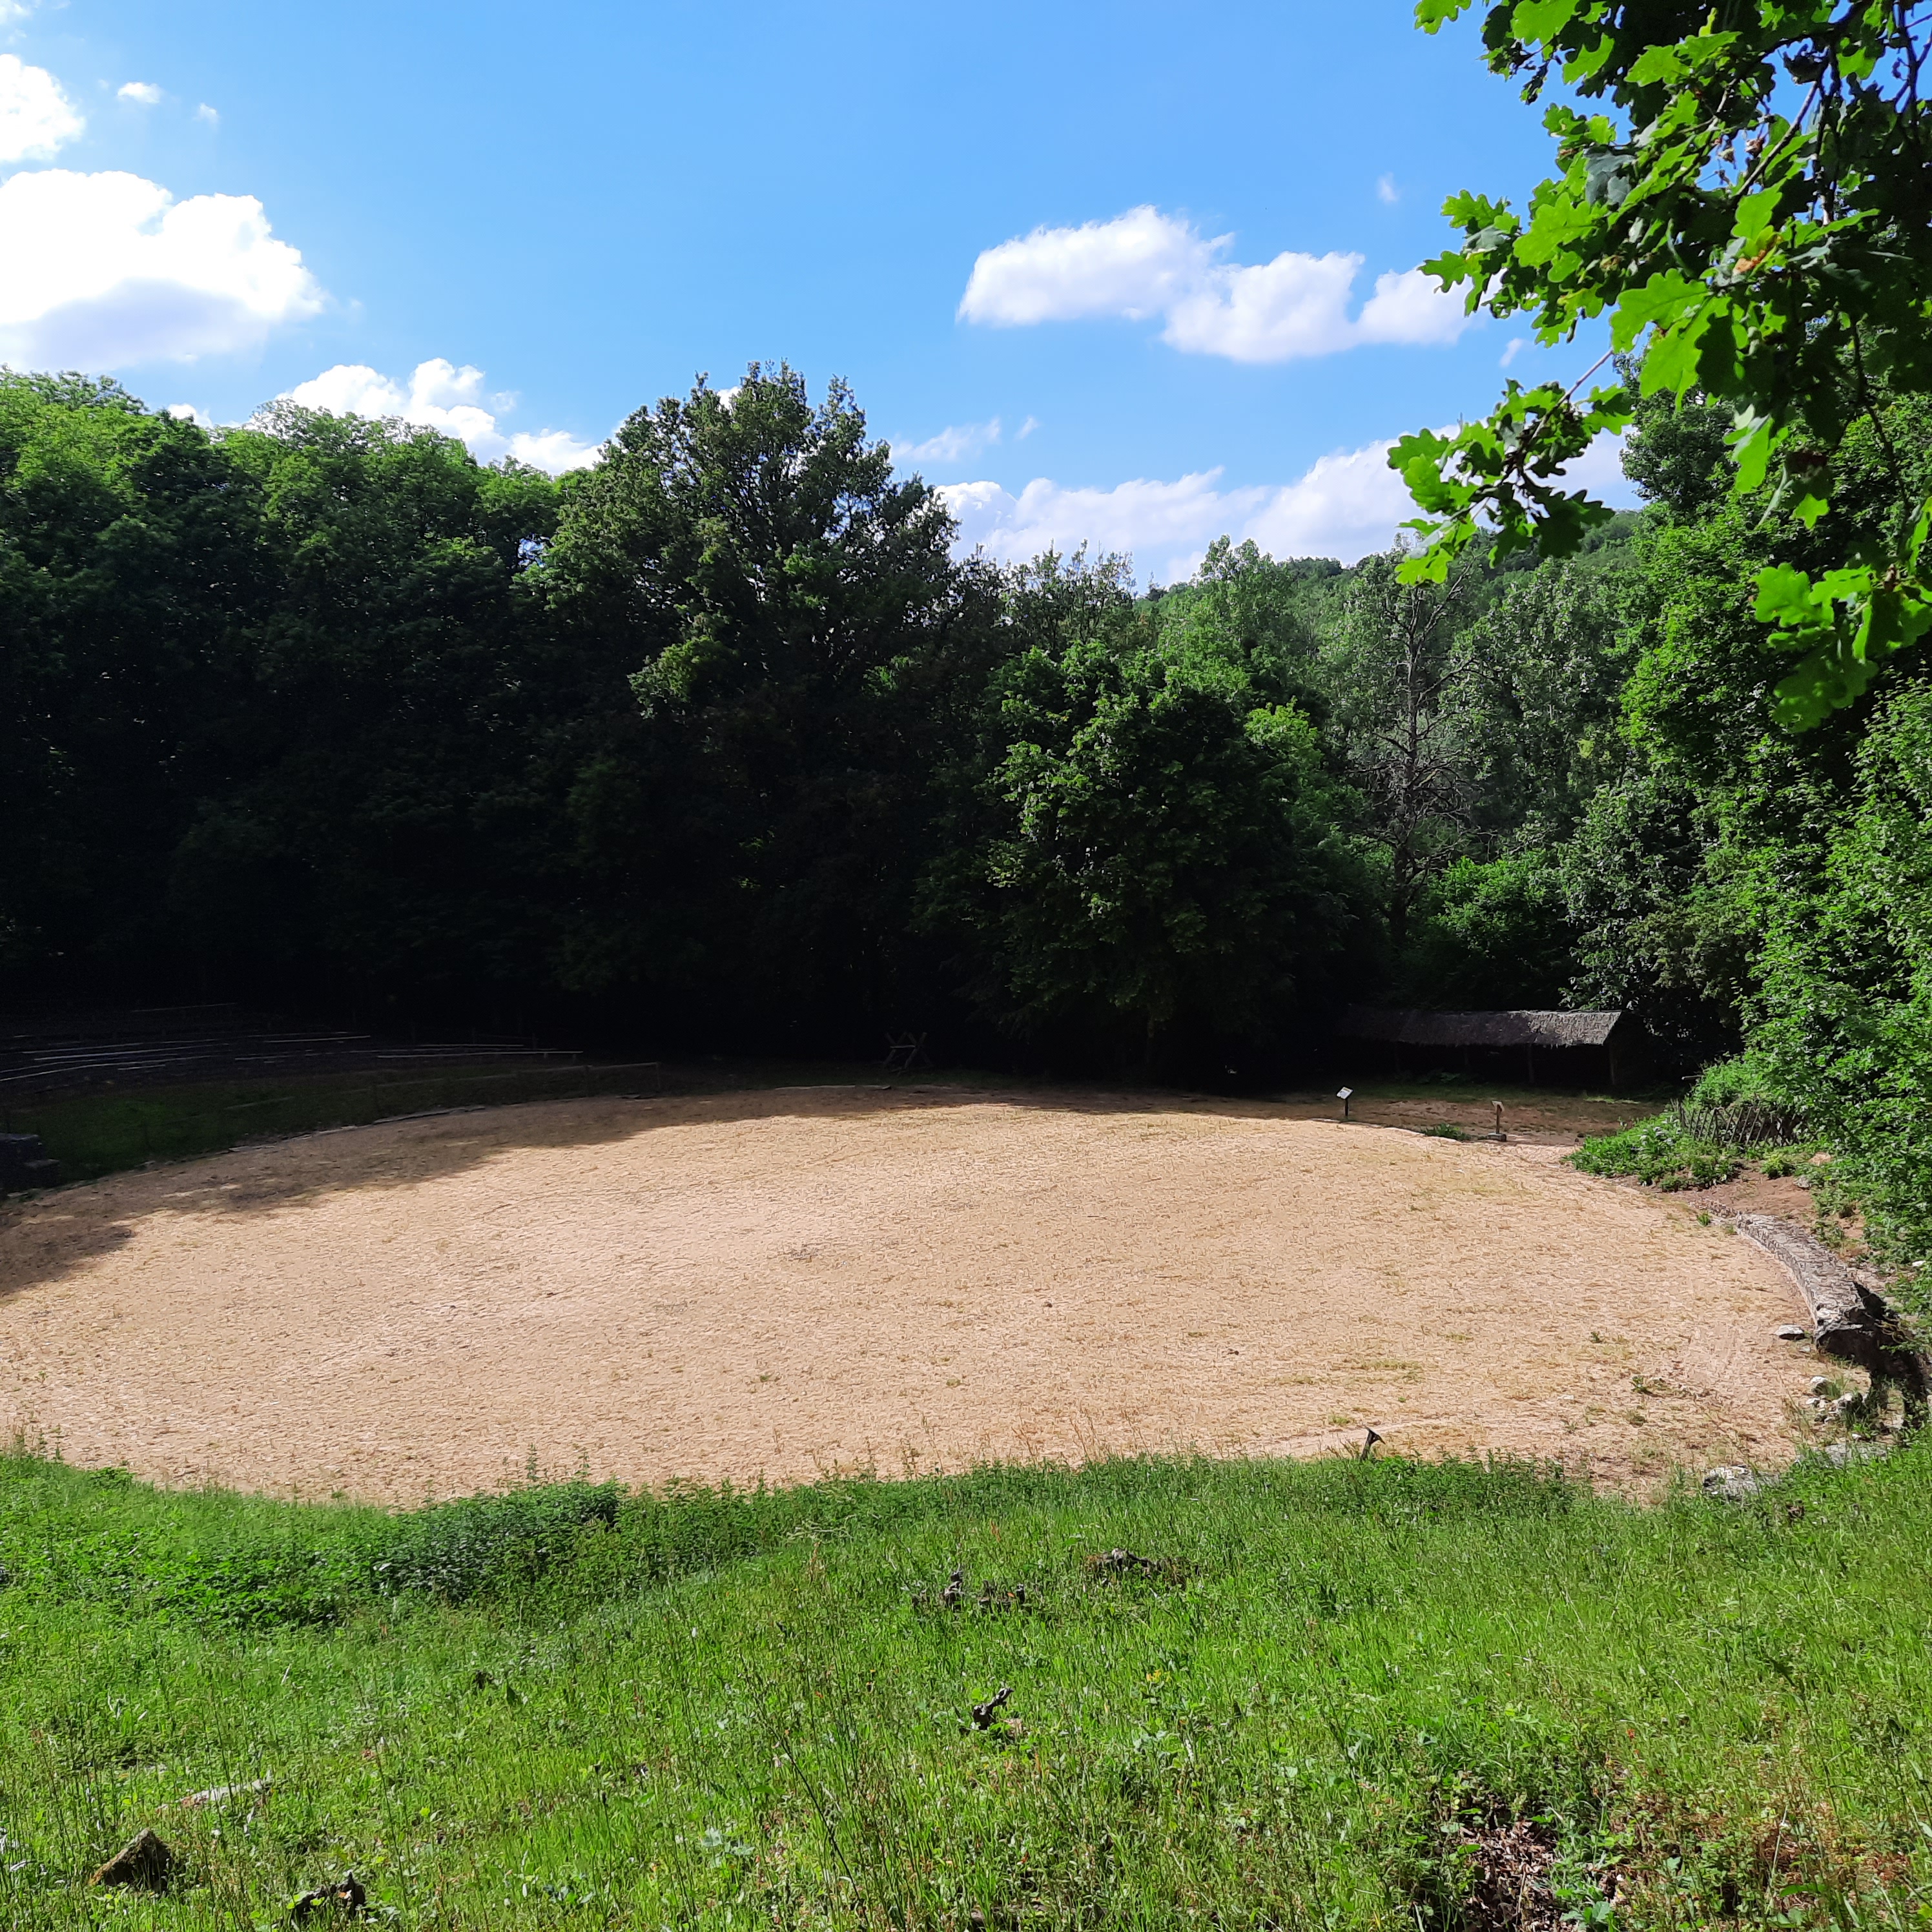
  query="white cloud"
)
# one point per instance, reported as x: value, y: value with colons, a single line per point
x: 1145, y: 263
x: 13, y: 12
x: 1412, y: 307
x: 953, y: 444
x: 204, y: 112
x: 1294, y: 305
x: 1387, y: 191
x: 1345, y: 505
x: 144, y: 93
x: 105, y: 270
x: 1152, y: 521
x: 1027, y: 428
x: 555, y: 450
x: 1138, y: 264
x: 441, y: 396
x: 1599, y: 469
x: 190, y: 412
x: 36, y: 117
x: 1517, y: 344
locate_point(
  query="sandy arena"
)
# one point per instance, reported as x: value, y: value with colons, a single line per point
x: 786, y: 1284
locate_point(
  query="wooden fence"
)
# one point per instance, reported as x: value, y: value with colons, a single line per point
x: 1745, y: 1127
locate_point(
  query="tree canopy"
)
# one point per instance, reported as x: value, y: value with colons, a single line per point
x: 1753, y: 208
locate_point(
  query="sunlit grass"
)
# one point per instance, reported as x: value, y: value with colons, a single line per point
x: 570, y: 1707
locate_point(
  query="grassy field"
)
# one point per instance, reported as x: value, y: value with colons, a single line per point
x: 96, y: 1133
x: 1321, y: 1695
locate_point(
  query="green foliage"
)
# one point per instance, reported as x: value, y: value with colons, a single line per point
x: 1493, y: 934
x: 712, y: 1709
x: 1658, y: 1152
x: 1725, y: 1083
x: 126, y: 543
x: 1847, y: 998
x: 1150, y: 841
x: 1776, y: 262
x: 90, y: 1134
x: 804, y: 652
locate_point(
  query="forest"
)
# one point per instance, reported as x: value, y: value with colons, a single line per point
x: 719, y: 741
x: 720, y: 745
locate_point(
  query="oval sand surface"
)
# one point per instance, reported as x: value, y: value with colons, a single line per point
x: 786, y: 1284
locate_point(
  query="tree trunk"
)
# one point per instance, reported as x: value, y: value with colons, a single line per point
x: 1849, y: 1322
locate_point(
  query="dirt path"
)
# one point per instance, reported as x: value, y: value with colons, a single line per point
x: 788, y: 1283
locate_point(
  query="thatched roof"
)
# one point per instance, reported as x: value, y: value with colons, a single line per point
x: 1411, y: 1027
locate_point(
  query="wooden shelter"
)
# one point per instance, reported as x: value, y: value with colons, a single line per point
x: 1600, y: 1049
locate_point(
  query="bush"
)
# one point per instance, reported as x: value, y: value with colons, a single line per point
x: 1660, y: 1153
x: 1728, y: 1083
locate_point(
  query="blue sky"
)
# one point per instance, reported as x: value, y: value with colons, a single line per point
x: 1148, y: 212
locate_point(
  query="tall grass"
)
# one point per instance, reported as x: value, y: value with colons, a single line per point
x: 573, y: 1707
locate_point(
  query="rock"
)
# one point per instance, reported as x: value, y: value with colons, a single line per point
x: 1840, y: 1455
x: 1791, y: 1332
x: 1823, y: 1385
x: 347, y: 1894
x: 143, y: 1861
x: 1733, y: 1482
x: 1124, y: 1563
x: 24, y: 1163
x: 220, y: 1794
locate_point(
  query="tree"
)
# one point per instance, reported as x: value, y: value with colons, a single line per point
x: 1403, y: 682
x: 799, y: 636
x: 1549, y: 656
x: 1780, y: 263
x: 131, y: 575
x: 1260, y: 615
x: 370, y: 839
x: 1845, y: 999
x: 1149, y: 852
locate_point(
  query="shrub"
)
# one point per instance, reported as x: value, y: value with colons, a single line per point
x: 1660, y: 1153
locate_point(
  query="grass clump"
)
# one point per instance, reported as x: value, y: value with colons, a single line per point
x: 1339, y: 1694
x: 1660, y: 1153
x: 1446, y: 1130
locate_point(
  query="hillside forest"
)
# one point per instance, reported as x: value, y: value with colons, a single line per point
x: 719, y: 743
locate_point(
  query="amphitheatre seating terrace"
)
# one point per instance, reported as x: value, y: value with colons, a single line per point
x: 150, y: 1046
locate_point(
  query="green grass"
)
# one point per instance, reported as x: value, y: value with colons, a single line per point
x: 573, y: 1707
x: 102, y: 1132
x: 1659, y: 1152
